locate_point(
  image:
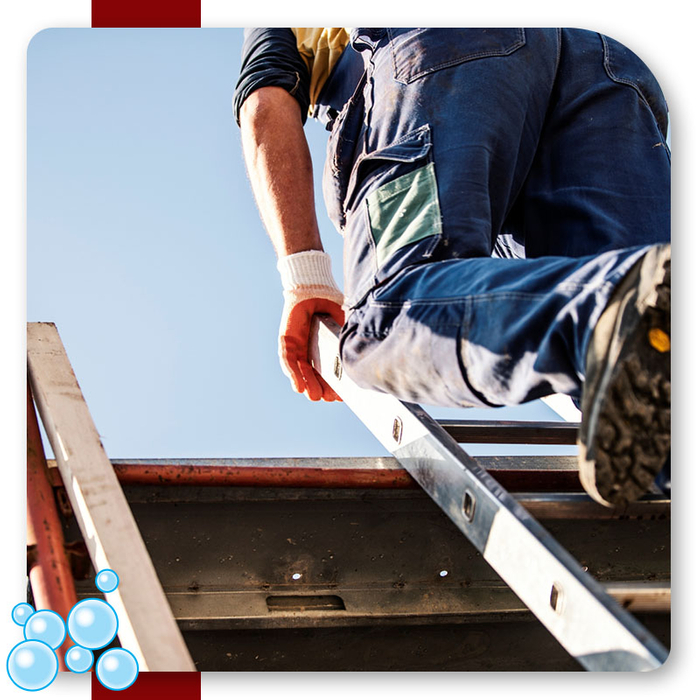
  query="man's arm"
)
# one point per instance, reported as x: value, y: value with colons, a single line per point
x: 279, y: 166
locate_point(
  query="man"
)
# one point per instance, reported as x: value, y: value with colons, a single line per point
x: 502, y: 194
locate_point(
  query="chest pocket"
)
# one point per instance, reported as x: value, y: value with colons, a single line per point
x: 417, y: 53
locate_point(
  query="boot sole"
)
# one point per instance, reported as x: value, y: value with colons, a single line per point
x: 630, y: 437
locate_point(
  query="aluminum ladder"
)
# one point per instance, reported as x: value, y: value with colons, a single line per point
x: 587, y: 622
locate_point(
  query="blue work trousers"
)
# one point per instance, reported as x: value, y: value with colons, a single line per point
x: 493, y: 187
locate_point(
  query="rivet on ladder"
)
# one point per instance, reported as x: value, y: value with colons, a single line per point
x: 469, y: 506
x: 397, y: 430
x: 556, y: 597
x: 337, y: 368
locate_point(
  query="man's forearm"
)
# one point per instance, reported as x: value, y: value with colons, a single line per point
x: 279, y: 166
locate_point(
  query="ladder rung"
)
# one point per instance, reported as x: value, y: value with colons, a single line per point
x: 511, y: 432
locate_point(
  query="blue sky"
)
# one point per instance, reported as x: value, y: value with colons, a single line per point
x: 144, y: 246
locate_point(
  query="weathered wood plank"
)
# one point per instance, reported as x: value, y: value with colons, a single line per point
x: 146, y: 624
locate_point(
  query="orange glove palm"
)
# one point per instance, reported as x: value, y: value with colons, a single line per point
x: 309, y: 289
x: 294, y: 334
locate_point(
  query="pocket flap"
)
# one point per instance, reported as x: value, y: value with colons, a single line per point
x: 411, y: 147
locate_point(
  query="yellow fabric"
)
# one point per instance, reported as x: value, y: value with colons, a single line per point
x: 320, y: 47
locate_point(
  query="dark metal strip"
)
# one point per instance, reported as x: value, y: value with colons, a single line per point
x: 511, y: 432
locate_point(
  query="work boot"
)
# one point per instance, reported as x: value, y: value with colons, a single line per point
x: 625, y: 434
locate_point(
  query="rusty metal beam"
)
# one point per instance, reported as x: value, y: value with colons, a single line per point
x: 516, y: 473
x: 553, y: 492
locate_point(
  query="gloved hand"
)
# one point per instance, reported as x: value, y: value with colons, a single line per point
x: 309, y: 288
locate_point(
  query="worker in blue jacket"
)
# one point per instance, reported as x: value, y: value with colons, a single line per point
x: 504, y: 197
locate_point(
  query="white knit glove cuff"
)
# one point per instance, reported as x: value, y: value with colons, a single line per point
x: 311, y: 268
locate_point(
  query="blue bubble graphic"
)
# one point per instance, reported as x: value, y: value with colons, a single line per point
x: 46, y: 626
x: 32, y: 665
x: 107, y: 580
x: 117, y: 669
x: 79, y: 659
x: 21, y: 613
x: 92, y: 623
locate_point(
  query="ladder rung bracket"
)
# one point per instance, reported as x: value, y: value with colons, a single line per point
x: 579, y: 613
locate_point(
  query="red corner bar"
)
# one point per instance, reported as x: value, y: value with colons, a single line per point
x: 146, y: 13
